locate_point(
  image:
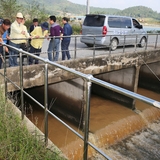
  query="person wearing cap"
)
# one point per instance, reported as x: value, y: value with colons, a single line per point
x: 3, y: 28
x: 38, y: 35
x: 17, y: 31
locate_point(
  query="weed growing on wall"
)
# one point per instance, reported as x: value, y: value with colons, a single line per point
x: 16, y: 142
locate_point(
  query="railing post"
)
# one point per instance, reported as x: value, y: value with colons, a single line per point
x: 94, y: 47
x: 75, y: 48
x: 5, y: 72
x: 124, y: 43
x: 46, y: 103
x: 146, y: 43
x: 87, y: 116
x: 135, y: 47
x: 156, y: 41
x: 110, y: 47
x: 21, y: 84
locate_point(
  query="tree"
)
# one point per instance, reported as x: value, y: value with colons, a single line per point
x: 9, y: 9
x: 36, y: 10
x: 29, y: 8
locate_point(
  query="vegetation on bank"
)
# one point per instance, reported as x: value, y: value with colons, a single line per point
x: 16, y: 142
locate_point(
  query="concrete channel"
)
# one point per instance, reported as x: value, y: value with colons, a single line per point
x: 131, y: 72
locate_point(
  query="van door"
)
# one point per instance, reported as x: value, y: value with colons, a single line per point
x: 120, y: 27
x: 93, y: 25
x: 137, y: 31
x: 126, y: 26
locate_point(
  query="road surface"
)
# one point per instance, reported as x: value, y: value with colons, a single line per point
x: 83, y: 51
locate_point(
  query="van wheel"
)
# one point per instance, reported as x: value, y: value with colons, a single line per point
x: 89, y: 45
x: 114, y: 44
x: 142, y: 42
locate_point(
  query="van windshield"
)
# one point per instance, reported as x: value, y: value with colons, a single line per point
x: 94, y: 20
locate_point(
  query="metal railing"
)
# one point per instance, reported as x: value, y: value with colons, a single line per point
x: 89, y: 79
x: 75, y: 47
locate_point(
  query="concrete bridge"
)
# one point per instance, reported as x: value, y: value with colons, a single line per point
x: 112, y: 66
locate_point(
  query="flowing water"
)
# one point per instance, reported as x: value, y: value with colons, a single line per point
x: 143, y: 145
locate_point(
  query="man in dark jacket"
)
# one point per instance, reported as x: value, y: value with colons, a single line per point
x: 35, y: 24
x: 67, y: 31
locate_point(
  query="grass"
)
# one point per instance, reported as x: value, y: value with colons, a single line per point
x: 16, y: 142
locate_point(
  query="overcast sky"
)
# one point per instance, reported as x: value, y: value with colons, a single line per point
x: 121, y: 4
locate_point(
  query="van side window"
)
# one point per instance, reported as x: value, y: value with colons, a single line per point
x: 126, y: 23
x: 94, y: 20
x: 118, y: 22
x: 114, y: 22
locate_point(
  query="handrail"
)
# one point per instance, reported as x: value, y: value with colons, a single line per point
x: 45, y: 107
x: 123, y: 38
x: 89, y: 79
x: 73, y: 36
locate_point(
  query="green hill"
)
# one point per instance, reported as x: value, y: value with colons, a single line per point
x: 140, y: 12
x: 63, y: 7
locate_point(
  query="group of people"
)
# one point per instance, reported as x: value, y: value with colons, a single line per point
x: 19, y: 35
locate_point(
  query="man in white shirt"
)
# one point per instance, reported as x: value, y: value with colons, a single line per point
x: 18, y: 31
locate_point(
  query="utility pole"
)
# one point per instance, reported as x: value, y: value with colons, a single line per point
x: 87, y: 7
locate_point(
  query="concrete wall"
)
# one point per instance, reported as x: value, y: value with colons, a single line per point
x: 34, y: 75
x: 69, y: 99
x: 150, y: 76
x: 125, y: 78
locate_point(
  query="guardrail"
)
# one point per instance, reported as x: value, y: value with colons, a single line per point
x: 75, y: 48
x: 89, y: 79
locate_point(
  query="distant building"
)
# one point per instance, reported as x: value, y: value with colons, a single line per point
x: 77, y: 18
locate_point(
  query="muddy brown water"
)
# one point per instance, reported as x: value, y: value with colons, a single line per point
x: 103, y: 113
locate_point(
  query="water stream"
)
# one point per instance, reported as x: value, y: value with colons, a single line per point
x: 142, y: 145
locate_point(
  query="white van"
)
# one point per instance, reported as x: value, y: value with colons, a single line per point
x: 112, y: 31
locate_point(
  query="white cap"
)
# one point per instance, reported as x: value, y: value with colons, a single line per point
x: 19, y: 15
